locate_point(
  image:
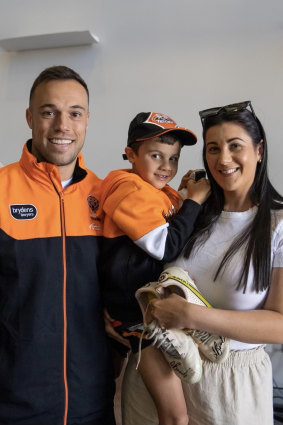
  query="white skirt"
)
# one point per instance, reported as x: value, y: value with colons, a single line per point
x: 236, y: 392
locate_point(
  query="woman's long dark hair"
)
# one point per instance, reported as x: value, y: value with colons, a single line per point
x: 256, y: 239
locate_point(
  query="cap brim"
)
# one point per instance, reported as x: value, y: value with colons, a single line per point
x: 186, y: 136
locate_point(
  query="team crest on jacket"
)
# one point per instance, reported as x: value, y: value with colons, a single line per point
x: 93, y: 204
x: 23, y: 211
x: 170, y: 213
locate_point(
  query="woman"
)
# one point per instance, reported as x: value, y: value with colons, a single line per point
x: 236, y: 258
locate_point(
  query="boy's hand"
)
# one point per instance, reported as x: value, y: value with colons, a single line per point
x: 197, y: 191
x: 108, y: 321
x: 185, y: 179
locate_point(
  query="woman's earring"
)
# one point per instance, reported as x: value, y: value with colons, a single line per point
x: 259, y: 161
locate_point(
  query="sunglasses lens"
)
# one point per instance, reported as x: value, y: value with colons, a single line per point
x: 209, y: 112
x: 234, y: 107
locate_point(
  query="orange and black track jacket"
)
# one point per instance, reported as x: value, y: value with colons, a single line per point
x: 143, y: 229
x: 54, y: 362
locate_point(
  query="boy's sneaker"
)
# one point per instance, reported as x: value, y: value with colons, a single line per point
x: 215, y: 348
x: 178, y: 348
x: 180, y: 351
x: 176, y: 280
x: 144, y: 295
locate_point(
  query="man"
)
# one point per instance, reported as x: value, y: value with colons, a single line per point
x: 55, y: 367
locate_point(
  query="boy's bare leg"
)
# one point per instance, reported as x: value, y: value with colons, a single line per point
x: 164, y: 386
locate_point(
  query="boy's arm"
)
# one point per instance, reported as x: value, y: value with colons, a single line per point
x: 180, y: 229
x: 143, y: 215
x: 166, y: 242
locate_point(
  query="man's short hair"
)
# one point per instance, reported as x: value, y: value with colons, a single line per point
x: 59, y: 72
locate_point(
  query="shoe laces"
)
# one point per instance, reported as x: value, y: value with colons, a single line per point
x: 160, y: 340
x: 141, y: 338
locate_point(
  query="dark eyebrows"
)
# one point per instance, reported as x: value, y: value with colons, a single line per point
x: 52, y: 106
x: 47, y: 105
x: 235, y: 138
x: 78, y: 107
x: 162, y: 153
x: 212, y: 142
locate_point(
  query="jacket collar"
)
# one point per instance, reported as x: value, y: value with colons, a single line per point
x: 45, y: 172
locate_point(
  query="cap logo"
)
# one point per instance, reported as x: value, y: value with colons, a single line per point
x: 162, y: 120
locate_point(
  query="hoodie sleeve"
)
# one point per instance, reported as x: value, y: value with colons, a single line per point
x: 166, y: 242
x: 147, y: 216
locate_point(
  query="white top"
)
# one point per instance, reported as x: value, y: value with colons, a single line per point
x: 66, y: 183
x: 203, y: 264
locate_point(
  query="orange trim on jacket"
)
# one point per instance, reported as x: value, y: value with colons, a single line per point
x: 50, y: 305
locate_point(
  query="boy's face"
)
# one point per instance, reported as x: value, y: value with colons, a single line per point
x: 156, y: 162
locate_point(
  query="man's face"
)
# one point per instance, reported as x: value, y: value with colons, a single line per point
x: 58, y: 117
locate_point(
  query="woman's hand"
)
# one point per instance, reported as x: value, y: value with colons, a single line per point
x: 261, y: 326
x: 171, y: 312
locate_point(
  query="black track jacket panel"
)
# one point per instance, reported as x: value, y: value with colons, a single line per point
x: 54, y: 359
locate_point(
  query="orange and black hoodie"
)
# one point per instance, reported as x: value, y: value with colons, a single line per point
x: 54, y: 362
x: 143, y: 229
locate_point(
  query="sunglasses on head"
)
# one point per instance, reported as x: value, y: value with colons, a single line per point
x: 234, y: 107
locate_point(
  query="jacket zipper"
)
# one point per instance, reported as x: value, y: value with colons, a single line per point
x: 62, y: 212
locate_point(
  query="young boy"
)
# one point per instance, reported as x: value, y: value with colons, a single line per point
x: 147, y: 223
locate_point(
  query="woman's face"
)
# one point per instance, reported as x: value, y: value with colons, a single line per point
x: 232, y: 158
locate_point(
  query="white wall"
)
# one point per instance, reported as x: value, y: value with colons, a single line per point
x: 172, y: 56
